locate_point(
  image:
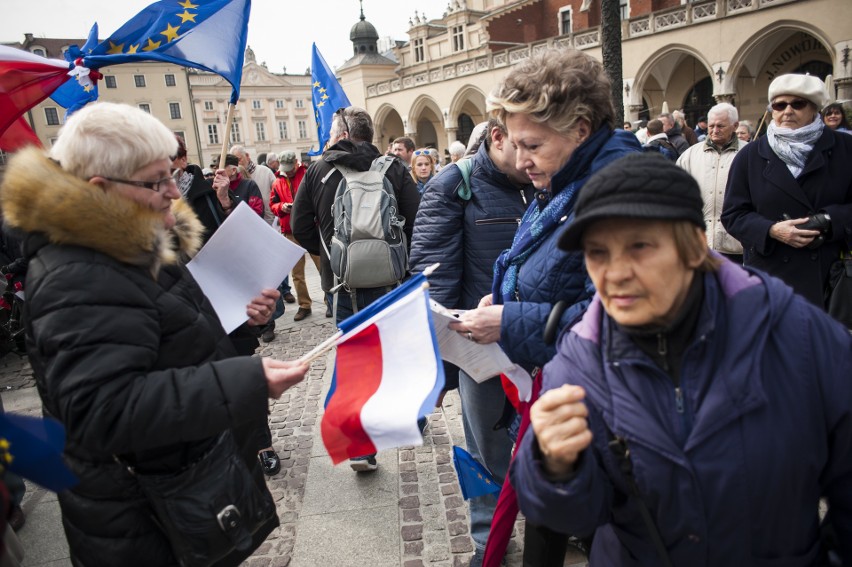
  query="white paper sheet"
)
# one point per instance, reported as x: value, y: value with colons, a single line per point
x: 244, y: 256
x: 480, y: 362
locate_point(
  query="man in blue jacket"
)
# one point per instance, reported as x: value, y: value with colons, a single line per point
x: 466, y: 233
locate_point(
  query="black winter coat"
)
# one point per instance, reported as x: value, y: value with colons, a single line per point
x: 312, y: 206
x: 466, y: 236
x: 127, y: 353
x: 761, y: 189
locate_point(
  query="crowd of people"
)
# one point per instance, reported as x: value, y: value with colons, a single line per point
x: 665, y: 289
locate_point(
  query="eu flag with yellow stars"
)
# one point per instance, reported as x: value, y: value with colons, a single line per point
x: 328, y: 96
x: 204, y: 34
x: 474, y: 479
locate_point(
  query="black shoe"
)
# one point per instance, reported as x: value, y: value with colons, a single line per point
x: 328, y: 311
x: 17, y: 518
x: 270, y: 462
x: 268, y: 334
x: 289, y: 297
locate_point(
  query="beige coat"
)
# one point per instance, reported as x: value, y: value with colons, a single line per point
x: 711, y: 169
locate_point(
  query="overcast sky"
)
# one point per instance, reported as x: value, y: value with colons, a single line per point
x: 280, y: 31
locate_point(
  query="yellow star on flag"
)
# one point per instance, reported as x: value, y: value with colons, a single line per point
x: 133, y: 48
x: 324, y: 97
x: 88, y: 88
x: 188, y: 5
x: 319, y: 104
x: 152, y: 45
x: 186, y: 17
x: 316, y: 84
x: 171, y: 33
x: 114, y: 49
x: 4, y: 444
x: 322, y: 90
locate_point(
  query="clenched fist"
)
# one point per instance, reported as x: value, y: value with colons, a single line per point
x: 559, y: 421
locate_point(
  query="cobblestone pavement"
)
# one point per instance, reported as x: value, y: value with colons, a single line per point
x: 432, y: 527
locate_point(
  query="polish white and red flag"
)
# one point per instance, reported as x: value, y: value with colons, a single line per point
x: 26, y: 79
x: 388, y: 374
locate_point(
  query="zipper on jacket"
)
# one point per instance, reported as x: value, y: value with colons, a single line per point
x: 504, y: 220
x: 663, y: 350
x: 524, y: 199
x: 679, y: 400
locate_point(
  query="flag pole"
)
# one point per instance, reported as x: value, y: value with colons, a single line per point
x: 331, y: 342
x: 226, y: 135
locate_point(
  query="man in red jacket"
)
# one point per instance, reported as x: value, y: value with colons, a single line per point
x: 281, y: 202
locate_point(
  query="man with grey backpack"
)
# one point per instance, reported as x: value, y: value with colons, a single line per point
x: 357, y: 223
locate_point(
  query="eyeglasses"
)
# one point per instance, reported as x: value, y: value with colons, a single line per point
x: 422, y: 153
x: 159, y: 185
x: 781, y: 105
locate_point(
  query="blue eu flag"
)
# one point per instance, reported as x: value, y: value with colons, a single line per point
x: 474, y: 479
x: 209, y: 35
x: 32, y: 448
x: 328, y: 96
x: 71, y: 95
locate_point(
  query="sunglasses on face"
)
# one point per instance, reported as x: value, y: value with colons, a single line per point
x: 781, y: 106
x: 422, y: 153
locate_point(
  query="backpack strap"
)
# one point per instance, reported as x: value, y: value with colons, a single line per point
x: 383, y: 164
x: 465, y: 166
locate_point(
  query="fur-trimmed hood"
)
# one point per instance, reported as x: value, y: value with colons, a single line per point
x: 39, y: 196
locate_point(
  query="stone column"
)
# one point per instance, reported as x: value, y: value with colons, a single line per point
x: 451, y: 135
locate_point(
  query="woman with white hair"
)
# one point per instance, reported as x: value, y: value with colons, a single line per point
x: 789, y: 194
x: 129, y: 355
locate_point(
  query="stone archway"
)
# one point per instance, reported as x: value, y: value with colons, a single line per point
x: 466, y: 110
x: 426, y: 123
x: 782, y: 47
x: 669, y: 76
x: 388, y: 126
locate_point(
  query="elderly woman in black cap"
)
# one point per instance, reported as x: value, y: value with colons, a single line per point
x: 663, y: 429
x: 789, y: 195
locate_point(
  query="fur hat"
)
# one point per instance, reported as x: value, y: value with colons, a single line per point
x: 636, y: 186
x: 807, y: 87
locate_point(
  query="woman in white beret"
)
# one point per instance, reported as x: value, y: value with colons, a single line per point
x: 789, y: 195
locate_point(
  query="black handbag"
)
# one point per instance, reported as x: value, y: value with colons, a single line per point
x: 211, y: 508
x: 838, y: 293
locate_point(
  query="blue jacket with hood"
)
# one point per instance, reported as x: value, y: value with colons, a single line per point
x: 767, y: 414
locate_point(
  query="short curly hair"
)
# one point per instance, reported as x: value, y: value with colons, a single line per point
x: 557, y: 87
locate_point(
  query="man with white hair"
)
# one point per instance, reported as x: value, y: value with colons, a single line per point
x: 709, y: 163
x: 457, y: 150
x: 263, y: 176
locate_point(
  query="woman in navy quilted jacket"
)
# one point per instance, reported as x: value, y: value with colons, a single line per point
x: 559, y: 115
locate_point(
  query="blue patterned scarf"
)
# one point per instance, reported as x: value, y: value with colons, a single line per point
x: 538, y: 224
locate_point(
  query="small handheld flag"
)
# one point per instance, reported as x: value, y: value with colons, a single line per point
x: 474, y: 479
x: 32, y: 448
x: 388, y: 374
x: 328, y: 96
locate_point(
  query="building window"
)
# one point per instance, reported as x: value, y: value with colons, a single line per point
x: 170, y: 80
x: 139, y: 80
x: 282, y: 130
x: 39, y: 51
x: 181, y: 134
x: 109, y: 81
x: 174, y: 110
x: 279, y: 104
x: 458, y: 38
x: 260, y: 128
x: 255, y: 104
x: 53, y: 141
x: 235, y: 133
x: 145, y: 106
x: 624, y: 8
x: 303, y: 129
x: 208, y: 105
x: 418, y: 51
x: 300, y: 103
x: 212, y: 134
x: 51, y: 115
x: 565, y: 20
